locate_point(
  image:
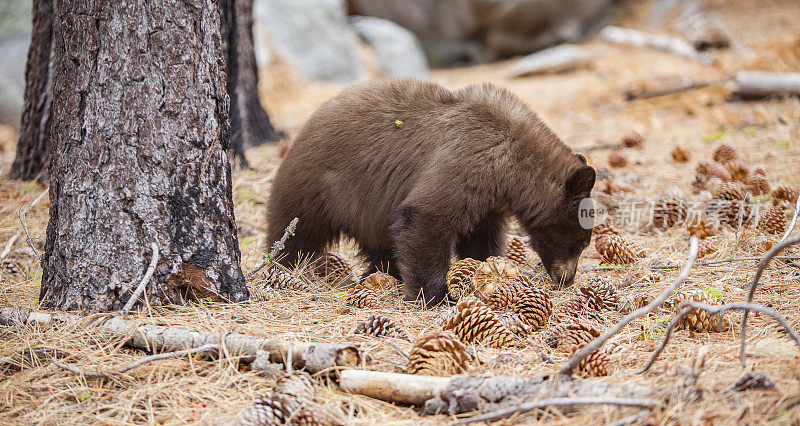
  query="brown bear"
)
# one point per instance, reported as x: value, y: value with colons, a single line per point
x: 413, y: 171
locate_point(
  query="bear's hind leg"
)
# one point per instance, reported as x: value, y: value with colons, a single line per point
x: 488, y: 238
x: 423, y: 246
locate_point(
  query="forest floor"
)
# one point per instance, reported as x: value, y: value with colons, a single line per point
x: 588, y: 108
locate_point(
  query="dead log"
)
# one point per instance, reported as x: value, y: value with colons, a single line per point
x: 392, y: 387
x: 555, y: 59
x: 311, y: 356
x: 759, y: 84
x: 461, y: 394
x: 680, y: 47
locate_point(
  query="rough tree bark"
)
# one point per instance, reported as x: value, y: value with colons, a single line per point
x: 34, y: 136
x: 250, y: 124
x: 139, y: 136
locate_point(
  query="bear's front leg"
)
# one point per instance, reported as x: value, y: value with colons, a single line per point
x: 423, y: 244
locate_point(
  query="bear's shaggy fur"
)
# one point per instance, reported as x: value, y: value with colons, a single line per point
x: 413, y: 171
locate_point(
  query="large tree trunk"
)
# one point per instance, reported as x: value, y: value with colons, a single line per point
x: 34, y: 136
x: 139, y: 137
x: 250, y: 124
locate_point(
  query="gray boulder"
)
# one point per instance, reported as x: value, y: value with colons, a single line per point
x: 15, y: 35
x: 396, y: 49
x: 311, y: 35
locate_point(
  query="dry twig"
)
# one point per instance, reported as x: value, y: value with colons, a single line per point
x: 689, y: 306
x: 21, y: 215
x: 145, y: 360
x: 794, y: 220
x: 9, y: 244
x: 761, y: 266
x: 276, y: 248
x: 557, y: 402
x: 147, y: 275
x: 588, y: 349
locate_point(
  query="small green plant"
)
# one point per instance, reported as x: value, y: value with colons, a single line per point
x: 246, y: 241
x: 713, y: 292
x: 84, y: 396
x: 340, y: 294
x: 398, y: 123
x: 712, y: 137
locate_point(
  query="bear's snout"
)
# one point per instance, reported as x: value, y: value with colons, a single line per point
x: 563, y: 272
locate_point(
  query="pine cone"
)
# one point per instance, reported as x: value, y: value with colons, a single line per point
x: 786, y: 193
x: 707, y: 248
x: 757, y: 185
x: 605, y: 290
x: 438, y: 353
x: 680, y: 155
x: 575, y: 334
x: 459, y: 277
x: 318, y: 415
x: 519, y: 328
x: 382, y: 283
x: 377, y: 325
x: 730, y: 191
x: 739, y: 172
x: 266, y: 411
x: 712, y: 169
x: 362, y: 296
x: 635, y: 301
x: 702, y: 227
x: 521, y: 297
x: 736, y: 211
x: 633, y: 140
x: 759, y: 171
x: 335, y: 265
x: 517, y: 251
x: 262, y: 294
x: 275, y: 408
x: 493, y: 273
x: 595, y: 365
x: 584, y: 304
x: 278, y: 279
x: 605, y: 228
x: 668, y: 212
x: 698, y: 320
x: 725, y: 153
x: 299, y: 386
x: 475, y: 323
x: 617, y: 159
x: 618, y: 250
x: 773, y: 221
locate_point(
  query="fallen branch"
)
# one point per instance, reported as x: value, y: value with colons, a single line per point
x: 794, y: 220
x: 462, y: 394
x: 754, y: 283
x: 683, y: 86
x: 591, y: 347
x: 147, y: 275
x: 759, y: 84
x: 557, y: 402
x: 9, y: 244
x: 22, y: 216
x: 145, y: 360
x: 666, y: 43
x: 657, y: 267
x: 688, y: 306
x: 276, y: 248
x: 311, y: 356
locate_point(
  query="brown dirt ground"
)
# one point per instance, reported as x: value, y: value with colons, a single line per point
x: 586, y: 107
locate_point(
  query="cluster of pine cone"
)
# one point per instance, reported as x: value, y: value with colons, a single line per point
x: 292, y: 401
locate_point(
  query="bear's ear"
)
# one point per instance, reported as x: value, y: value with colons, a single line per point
x: 581, y: 181
x: 581, y: 158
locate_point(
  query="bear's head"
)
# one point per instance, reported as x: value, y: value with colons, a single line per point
x: 560, y: 239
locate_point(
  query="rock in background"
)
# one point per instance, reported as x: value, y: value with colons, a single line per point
x: 455, y: 31
x: 397, y: 50
x: 15, y: 35
x: 313, y: 36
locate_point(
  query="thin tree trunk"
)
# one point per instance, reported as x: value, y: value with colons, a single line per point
x: 34, y: 137
x: 139, y: 137
x: 250, y: 124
